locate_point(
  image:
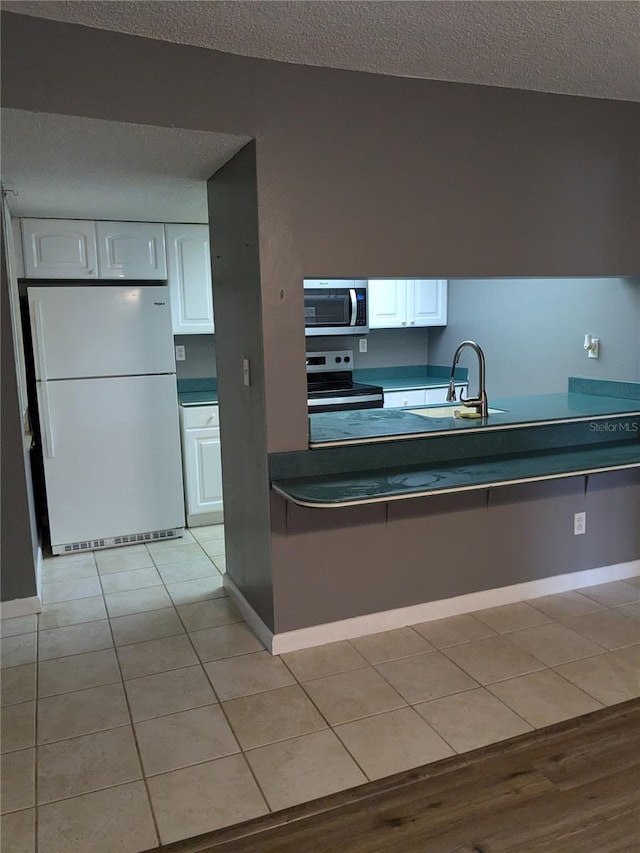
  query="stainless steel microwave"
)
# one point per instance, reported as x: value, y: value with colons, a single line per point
x: 335, y: 306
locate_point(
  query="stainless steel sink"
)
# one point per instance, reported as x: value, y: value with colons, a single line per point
x: 446, y: 411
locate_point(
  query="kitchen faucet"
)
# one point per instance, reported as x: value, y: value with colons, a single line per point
x: 478, y: 403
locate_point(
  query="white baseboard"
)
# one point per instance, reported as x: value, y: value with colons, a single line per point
x: 373, y: 623
x: 20, y: 607
x: 204, y: 519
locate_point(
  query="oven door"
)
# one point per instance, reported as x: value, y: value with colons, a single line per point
x: 334, y: 308
x: 358, y: 397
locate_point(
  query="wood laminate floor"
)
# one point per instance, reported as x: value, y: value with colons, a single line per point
x: 570, y: 788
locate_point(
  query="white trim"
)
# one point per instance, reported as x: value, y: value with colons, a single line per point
x: 373, y: 623
x: 262, y: 632
x: 20, y: 607
x: 39, y: 566
x: 205, y: 519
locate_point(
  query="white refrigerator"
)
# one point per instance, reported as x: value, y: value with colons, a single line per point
x: 108, y: 414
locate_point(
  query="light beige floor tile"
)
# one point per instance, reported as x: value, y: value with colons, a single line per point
x: 209, y: 614
x: 247, y: 674
x: 272, y: 716
x: 118, y: 560
x: 19, y: 625
x: 220, y: 563
x: 454, y: 630
x: 208, y: 533
x: 81, y: 712
x: 73, y: 612
x: 88, y: 763
x: 70, y: 590
x: 17, y: 780
x: 17, y: 832
x: 165, y: 553
x: 137, y: 601
x: 72, y: 559
x: 18, y: 684
x: 632, y: 611
x: 324, y: 660
x: 544, y: 698
x: 146, y: 626
x: 511, y: 617
x: 612, y: 594
x: 391, y: 645
x: 303, y: 768
x: 392, y: 742
x: 117, y: 820
x: 15, y: 651
x: 609, y: 678
x: 554, y: 643
x: 425, y: 676
x: 189, y: 737
x: 200, y: 589
x: 225, y: 641
x: 135, y: 579
x: 635, y: 581
x: 472, y: 719
x: 214, y: 547
x: 349, y: 696
x: 564, y: 605
x: 187, y: 570
x: 607, y: 628
x: 18, y: 726
x: 156, y: 656
x: 176, y: 542
x: 204, y: 797
x: 169, y: 692
x: 74, y: 640
x: 493, y: 659
x: 630, y: 654
x: 55, y: 572
x: 63, y: 675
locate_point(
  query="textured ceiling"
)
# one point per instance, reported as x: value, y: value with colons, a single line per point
x: 568, y: 46
x: 65, y: 166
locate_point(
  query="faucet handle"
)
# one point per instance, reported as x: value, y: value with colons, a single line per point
x: 451, y: 393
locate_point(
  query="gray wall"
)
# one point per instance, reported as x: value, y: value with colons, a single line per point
x: 385, y: 347
x: 336, y: 564
x: 200, y: 352
x: 532, y: 331
x: 19, y: 543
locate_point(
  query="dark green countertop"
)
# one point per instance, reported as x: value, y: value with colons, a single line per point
x: 375, y: 425
x: 357, y: 488
x: 197, y: 392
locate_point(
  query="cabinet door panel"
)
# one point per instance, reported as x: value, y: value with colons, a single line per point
x: 131, y: 250
x: 397, y: 399
x: 429, y: 302
x: 59, y: 248
x: 387, y: 303
x: 189, y: 270
x: 203, y: 470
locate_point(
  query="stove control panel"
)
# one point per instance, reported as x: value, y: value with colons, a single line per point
x: 323, y: 362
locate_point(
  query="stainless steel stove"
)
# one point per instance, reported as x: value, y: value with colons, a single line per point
x: 330, y: 385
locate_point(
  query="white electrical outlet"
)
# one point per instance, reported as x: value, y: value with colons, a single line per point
x: 246, y: 372
x: 579, y: 523
x: 180, y: 353
x: 363, y: 344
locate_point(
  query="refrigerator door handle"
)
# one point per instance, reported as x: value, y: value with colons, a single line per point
x: 38, y: 341
x: 45, y: 419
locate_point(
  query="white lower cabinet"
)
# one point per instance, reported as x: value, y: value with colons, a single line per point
x: 202, y: 464
x: 419, y: 396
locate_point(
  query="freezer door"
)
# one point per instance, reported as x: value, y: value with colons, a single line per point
x: 112, y: 330
x: 111, y: 451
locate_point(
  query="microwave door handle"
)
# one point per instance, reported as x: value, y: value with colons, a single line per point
x: 354, y: 306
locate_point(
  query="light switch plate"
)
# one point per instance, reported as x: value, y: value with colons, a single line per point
x: 246, y: 373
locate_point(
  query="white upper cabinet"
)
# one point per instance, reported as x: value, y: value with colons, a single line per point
x: 131, y: 250
x: 406, y: 302
x: 189, y: 268
x: 59, y: 248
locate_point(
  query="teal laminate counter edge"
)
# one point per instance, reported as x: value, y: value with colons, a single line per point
x: 197, y: 392
x: 356, y: 489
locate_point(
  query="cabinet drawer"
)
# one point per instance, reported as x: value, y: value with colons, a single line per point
x: 200, y: 417
x: 397, y: 399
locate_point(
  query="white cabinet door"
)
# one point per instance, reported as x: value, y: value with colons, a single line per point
x: 59, y: 248
x: 428, y: 302
x: 396, y: 399
x: 189, y: 270
x: 439, y: 395
x: 387, y: 303
x: 203, y: 470
x: 131, y: 250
